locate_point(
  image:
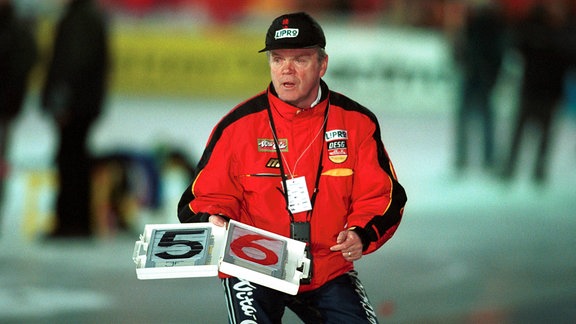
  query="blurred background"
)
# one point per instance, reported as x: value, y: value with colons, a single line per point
x: 488, y: 230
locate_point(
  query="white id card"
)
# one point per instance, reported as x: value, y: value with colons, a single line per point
x: 298, y: 198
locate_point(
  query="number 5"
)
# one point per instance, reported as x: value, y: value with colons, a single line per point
x: 169, y: 239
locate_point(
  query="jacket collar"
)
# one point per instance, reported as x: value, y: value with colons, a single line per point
x: 288, y: 111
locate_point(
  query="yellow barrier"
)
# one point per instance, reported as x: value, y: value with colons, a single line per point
x: 37, y: 210
x: 221, y: 63
x: 159, y: 60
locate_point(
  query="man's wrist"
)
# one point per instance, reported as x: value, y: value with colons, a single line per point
x: 361, y: 232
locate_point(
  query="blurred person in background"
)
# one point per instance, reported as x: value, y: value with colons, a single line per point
x: 73, y: 95
x: 18, y: 53
x: 479, y: 51
x: 541, y: 41
x: 571, y: 75
x: 340, y: 193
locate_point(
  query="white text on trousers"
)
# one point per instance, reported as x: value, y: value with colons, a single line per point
x: 244, y: 291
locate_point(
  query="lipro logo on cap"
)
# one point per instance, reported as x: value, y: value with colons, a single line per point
x: 286, y: 33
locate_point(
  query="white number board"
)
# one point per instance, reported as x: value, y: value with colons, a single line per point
x: 203, y: 249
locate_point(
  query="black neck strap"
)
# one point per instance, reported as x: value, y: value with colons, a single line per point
x: 281, y: 162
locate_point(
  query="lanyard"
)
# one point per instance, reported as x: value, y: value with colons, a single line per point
x: 281, y: 162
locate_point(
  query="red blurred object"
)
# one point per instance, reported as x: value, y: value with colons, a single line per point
x: 138, y: 6
x: 141, y: 7
x: 226, y: 11
x: 387, y: 308
x: 517, y: 9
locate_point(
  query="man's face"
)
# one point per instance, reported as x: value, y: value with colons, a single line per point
x: 296, y: 75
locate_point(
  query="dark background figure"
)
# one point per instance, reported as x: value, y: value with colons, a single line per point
x: 540, y: 39
x: 479, y: 51
x: 570, y: 47
x: 73, y: 94
x: 17, y: 57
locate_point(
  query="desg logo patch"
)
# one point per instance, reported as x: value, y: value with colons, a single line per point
x: 337, y: 145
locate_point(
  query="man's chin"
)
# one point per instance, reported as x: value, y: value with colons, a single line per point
x: 291, y: 100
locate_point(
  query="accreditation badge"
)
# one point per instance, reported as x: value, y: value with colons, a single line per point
x: 298, y: 198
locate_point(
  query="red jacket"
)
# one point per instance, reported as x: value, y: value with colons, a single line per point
x: 238, y: 175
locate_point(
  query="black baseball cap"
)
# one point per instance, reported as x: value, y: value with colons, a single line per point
x: 294, y: 30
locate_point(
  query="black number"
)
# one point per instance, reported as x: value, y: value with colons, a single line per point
x: 169, y: 239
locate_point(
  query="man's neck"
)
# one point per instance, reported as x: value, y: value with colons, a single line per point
x: 317, y: 98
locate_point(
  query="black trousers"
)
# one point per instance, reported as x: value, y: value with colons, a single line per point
x: 341, y: 300
x: 74, y: 166
x: 540, y: 113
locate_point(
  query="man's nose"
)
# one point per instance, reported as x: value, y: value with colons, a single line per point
x: 288, y: 67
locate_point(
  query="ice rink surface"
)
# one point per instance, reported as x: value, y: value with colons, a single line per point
x: 471, y: 248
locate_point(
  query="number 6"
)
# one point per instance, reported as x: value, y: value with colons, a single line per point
x: 248, y: 241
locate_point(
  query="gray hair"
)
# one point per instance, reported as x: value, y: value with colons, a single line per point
x: 319, y: 50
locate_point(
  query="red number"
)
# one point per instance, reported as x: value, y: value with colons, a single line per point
x: 249, y: 241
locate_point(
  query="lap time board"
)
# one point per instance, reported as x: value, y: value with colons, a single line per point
x: 167, y: 251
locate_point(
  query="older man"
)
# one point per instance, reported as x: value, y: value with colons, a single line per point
x: 305, y: 162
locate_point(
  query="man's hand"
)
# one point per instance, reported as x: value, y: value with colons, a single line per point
x: 350, y: 244
x: 217, y: 220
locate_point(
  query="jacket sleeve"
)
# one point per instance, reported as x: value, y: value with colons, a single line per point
x: 377, y: 199
x: 214, y: 190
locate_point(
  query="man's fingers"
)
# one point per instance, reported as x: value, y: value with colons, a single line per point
x: 217, y: 220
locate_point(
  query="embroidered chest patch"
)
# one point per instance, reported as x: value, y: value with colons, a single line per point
x: 268, y: 145
x: 337, y: 145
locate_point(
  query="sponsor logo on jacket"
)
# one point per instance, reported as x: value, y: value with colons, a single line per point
x: 337, y: 145
x: 268, y: 145
x: 273, y: 163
